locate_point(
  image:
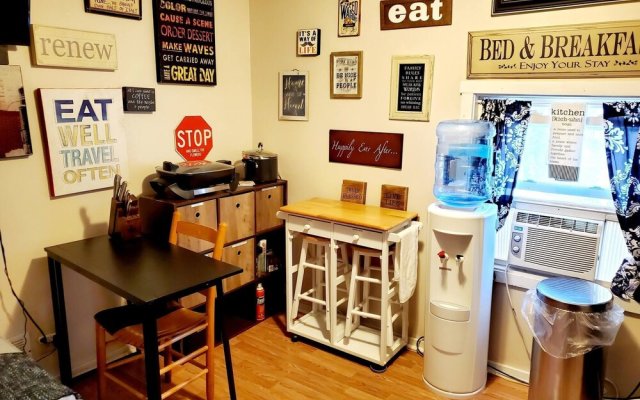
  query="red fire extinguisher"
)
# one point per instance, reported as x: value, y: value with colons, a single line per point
x: 259, y: 302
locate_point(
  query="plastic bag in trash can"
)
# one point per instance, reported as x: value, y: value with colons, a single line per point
x: 566, y: 334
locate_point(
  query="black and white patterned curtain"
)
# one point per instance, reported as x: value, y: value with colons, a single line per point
x: 511, y: 120
x: 621, y: 124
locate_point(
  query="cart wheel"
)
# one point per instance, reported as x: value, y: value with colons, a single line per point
x: 378, y: 369
x: 294, y: 338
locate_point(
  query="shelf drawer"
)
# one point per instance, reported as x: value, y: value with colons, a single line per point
x: 241, y: 255
x: 309, y: 226
x: 357, y: 236
x: 238, y: 212
x: 268, y: 202
x: 203, y: 213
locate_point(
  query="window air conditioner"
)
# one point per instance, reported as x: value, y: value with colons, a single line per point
x: 555, y: 244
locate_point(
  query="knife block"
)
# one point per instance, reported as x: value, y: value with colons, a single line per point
x: 123, y: 226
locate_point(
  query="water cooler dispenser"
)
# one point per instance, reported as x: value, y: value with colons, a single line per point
x: 460, y: 249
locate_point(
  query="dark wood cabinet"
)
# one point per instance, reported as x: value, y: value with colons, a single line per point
x: 250, y: 213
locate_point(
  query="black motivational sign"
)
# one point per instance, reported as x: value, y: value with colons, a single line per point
x: 139, y: 99
x: 185, y: 41
x: 410, y: 87
x: 294, y: 102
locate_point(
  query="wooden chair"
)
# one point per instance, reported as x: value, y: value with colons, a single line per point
x: 394, y: 197
x: 174, y: 324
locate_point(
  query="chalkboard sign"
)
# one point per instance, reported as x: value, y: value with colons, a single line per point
x: 139, y: 99
x: 293, y: 94
x: 185, y: 41
x: 411, y: 87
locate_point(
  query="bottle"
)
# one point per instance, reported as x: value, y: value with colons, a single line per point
x: 259, y: 302
x: 262, y: 257
x: 464, y: 162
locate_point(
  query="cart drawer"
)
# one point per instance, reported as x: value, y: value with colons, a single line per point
x: 357, y: 236
x: 309, y: 226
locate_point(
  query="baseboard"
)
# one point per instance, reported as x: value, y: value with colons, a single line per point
x: 88, y: 365
x: 495, y: 369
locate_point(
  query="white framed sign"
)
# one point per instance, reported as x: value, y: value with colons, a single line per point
x: 85, y: 139
x: 411, y: 83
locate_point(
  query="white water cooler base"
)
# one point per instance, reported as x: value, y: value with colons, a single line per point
x: 460, y: 248
x: 452, y: 395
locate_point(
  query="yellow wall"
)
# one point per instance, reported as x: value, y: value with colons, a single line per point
x: 303, y: 146
x: 255, y: 39
x: 30, y: 220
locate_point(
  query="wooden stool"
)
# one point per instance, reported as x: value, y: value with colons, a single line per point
x: 355, y: 311
x: 320, y: 262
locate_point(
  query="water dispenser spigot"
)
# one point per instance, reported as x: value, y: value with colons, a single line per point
x: 459, y: 260
x: 443, y: 259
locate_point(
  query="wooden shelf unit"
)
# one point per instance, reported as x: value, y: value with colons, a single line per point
x: 250, y: 213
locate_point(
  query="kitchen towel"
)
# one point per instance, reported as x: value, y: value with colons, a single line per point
x: 407, y: 261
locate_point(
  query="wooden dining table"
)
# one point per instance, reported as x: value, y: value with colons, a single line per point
x: 142, y: 271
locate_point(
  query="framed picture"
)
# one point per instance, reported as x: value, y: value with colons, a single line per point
x: 189, y: 56
x: 15, y: 140
x: 118, y: 8
x: 411, y: 83
x: 521, y: 6
x: 346, y: 75
x: 86, y: 144
x: 293, y: 94
x: 348, y: 18
x: 308, y: 42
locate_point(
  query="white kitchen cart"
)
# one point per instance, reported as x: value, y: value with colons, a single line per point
x: 362, y: 225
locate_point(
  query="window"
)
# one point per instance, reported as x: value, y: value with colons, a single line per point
x: 579, y: 180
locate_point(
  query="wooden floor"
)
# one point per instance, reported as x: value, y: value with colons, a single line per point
x: 268, y: 365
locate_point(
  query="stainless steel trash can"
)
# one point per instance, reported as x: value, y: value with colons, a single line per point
x: 574, y: 378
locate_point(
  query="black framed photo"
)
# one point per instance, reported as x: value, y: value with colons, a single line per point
x: 119, y: 8
x: 522, y: 6
x: 308, y: 42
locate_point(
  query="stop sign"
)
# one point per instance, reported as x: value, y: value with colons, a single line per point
x: 194, y: 139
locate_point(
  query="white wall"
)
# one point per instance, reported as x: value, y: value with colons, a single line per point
x: 303, y: 146
x: 30, y: 220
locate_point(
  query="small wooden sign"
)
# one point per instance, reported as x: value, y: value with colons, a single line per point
x: 395, y: 197
x: 59, y: 47
x: 354, y: 191
x: 375, y: 149
x: 139, y: 99
x: 402, y: 14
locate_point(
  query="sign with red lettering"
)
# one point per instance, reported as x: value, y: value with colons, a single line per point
x: 185, y: 41
x: 376, y: 149
x: 194, y: 138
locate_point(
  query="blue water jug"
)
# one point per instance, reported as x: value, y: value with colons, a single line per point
x: 464, y: 162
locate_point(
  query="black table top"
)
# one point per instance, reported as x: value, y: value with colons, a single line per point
x: 141, y: 270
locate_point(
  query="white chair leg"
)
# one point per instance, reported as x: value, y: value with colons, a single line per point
x: 298, y: 289
x: 327, y: 309
x: 352, y: 293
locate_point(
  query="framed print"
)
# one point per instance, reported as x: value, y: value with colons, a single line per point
x: 185, y: 42
x: 346, y: 75
x: 348, y: 18
x: 86, y: 144
x: 308, y: 42
x: 15, y: 140
x: 522, y: 6
x: 118, y: 8
x: 411, y: 83
x: 293, y: 94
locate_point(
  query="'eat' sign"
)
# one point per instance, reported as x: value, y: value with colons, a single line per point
x: 194, y: 139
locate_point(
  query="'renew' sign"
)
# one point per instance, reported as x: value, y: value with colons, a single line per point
x: 59, y: 47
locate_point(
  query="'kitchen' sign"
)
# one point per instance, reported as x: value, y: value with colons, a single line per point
x: 375, y: 149
x: 570, y: 51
